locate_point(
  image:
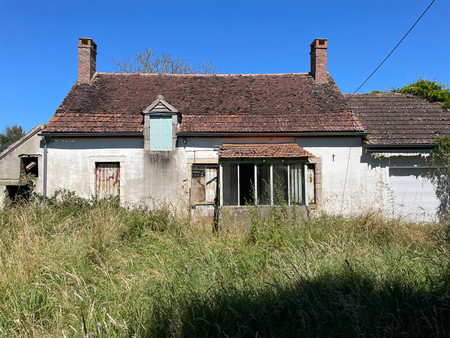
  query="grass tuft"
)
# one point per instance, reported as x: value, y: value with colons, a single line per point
x: 93, y: 267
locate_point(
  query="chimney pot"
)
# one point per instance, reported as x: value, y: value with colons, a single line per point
x: 319, y: 59
x: 87, y: 56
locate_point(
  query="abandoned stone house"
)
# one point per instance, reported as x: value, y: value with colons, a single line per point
x: 232, y: 141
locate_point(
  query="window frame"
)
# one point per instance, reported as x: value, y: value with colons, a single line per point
x: 288, y: 163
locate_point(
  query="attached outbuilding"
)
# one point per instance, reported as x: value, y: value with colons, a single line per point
x: 22, y: 167
x: 402, y: 130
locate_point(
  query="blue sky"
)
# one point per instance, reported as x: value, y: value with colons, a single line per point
x: 38, y: 53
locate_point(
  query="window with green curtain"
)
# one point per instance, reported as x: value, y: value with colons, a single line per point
x: 161, y: 133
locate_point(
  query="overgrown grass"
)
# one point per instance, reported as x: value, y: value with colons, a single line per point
x: 95, y: 267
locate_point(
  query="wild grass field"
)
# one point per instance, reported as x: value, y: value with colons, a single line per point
x: 80, y: 268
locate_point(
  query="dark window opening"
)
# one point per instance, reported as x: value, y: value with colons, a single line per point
x: 280, y: 184
x: 246, y: 183
x: 230, y: 186
x: 29, y: 167
x: 263, y: 188
x: 17, y: 193
x: 268, y: 183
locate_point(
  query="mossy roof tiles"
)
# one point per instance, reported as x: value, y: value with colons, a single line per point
x: 400, y: 119
x: 266, y: 103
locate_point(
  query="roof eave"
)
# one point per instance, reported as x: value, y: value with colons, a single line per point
x: 238, y: 134
x: 107, y: 134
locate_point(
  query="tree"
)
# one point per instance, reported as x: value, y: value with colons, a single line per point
x: 431, y: 90
x: 440, y: 158
x: 10, y: 135
x: 147, y: 61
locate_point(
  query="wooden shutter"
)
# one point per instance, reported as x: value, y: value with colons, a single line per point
x: 161, y: 133
x: 203, y: 184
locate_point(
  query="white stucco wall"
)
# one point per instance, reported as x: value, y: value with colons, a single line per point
x: 352, y: 183
x: 145, y: 176
x: 352, y: 180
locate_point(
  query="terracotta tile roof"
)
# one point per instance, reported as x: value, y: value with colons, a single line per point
x: 287, y: 150
x: 95, y: 123
x: 276, y: 103
x: 400, y: 119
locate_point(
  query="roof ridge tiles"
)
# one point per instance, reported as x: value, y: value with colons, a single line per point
x: 195, y: 75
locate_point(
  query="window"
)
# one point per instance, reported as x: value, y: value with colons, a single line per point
x: 263, y: 183
x: 29, y: 166
x: 203, y: 184
x: 161, y: 133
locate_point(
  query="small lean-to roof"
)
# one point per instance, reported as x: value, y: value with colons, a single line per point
x: 286, y: 150
x: 394, y: 119
x: 266, y: 103
x: 22, y: 140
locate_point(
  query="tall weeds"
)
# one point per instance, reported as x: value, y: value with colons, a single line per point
x: 93, y: 267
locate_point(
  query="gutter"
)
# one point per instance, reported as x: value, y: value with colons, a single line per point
x: 403, y: 147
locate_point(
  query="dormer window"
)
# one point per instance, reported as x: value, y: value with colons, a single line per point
x: 160, y: 123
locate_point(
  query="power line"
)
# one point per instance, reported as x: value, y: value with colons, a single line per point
x: 398, y: 44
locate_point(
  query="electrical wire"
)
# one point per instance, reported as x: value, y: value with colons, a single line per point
x: 398, y: 44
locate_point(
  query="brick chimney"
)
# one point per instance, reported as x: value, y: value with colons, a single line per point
x: 87, y: 54
x: 319, y: 60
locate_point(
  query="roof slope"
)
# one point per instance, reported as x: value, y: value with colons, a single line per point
x: 396, y: 119
x: 275, y: 103
x: 286, y: 150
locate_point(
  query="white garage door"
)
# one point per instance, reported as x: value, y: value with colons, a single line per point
x: 413, y: 195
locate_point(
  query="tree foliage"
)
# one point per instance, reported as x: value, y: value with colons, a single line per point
x: 440, y: 158
x: 147, y: 61
x: 10, y: 135
x: 431, y: 90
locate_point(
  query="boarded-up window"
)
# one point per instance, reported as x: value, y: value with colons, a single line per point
x: 161, y: 133
x: 107, y: 179
x: 203, y: 184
